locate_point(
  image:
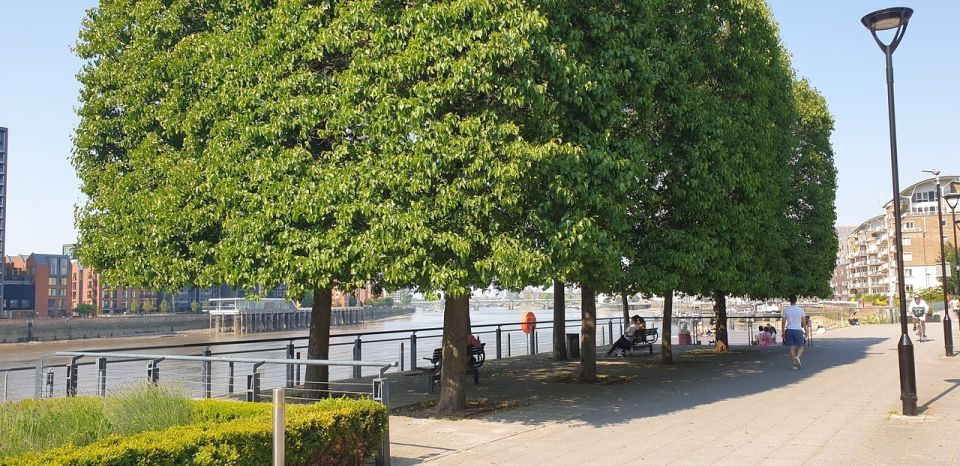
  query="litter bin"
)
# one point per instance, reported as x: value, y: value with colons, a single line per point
x: 573, y: 345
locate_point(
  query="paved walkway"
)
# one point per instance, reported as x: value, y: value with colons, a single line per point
x: 749, y: 407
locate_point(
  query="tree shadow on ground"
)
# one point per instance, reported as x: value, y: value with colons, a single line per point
x: 641, y: 386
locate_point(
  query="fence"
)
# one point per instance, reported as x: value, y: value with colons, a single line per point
x: 408, y: 346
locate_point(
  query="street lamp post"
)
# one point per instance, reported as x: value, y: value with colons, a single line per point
x: 881, y: 20
x: 947, y: 329
x: 953, y: 199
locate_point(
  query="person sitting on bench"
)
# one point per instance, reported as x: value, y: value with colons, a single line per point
x: 630, y: 335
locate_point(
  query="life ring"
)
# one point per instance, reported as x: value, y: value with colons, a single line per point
x: 528, y: 322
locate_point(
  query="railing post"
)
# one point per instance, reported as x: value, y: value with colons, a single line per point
x: 38, y: 380
x: 610, y: 329
x: 296, y: 375
x: 102, y: 376
x: 279, y: 426
x: 290, y: 354
x: 401, y: 357
x: 356, y: 357
x: 413, y: 350
x: 230, y: 378
x: 206, y: 375
x: 5, y: 376
x: 508, y: 345
x: 153, y: 371
x: 50, y: 383
x: 72, y: 376
x: 499, y: 336
x: 381, y: 393
x: 253, y: 383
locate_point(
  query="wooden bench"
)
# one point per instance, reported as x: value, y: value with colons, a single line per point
x: 476, y: 356
x: 648, y: 338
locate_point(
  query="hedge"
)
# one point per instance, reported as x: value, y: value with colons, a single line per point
x: 330, y: 432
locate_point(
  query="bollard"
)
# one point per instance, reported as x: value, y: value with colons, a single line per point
x: 356, y: 357
x: 381, y: 393
x: 279, y: 426
x: 498, y: 341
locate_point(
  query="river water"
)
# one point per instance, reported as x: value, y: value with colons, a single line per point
x: 389, y: 347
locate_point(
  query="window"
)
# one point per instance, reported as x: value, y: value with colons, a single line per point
x: 63, y: 291
x: 52, y: 281
x: 926, y: 196
x: 907, y: 256
x: 52, y: 292
x: 907, y: 272
x: 51, y: 303
x: 63, y: 281
x: 907, y: 241
x: 908, y: 225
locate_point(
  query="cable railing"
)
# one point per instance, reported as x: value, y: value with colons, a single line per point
x: 407, y: 346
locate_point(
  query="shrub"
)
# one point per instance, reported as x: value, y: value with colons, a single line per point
x: 146, y: 406
x: 333, y: 431
x: 38, y: 425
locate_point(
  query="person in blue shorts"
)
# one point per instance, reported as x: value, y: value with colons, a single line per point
x: 791, y: 327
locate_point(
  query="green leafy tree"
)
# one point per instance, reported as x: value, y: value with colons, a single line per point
x: 195, y: 307
x: 85, y: 309
x: 148, y: 305
x: 164, y: 306
x: 216, y: 161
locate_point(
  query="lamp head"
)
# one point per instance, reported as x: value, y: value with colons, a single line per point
x: 888, y: 18
x: 933, y: 172
x: 953, y: 199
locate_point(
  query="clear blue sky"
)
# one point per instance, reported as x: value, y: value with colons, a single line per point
x: 829, y: 47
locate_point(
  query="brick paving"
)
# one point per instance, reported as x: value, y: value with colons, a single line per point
x: 748, y: 407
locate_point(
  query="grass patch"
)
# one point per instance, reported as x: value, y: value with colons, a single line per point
x: 39, y: 425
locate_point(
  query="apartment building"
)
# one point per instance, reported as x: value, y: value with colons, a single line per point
x: 838, y: 283
x: 921, y: 232
x: 868, y: 264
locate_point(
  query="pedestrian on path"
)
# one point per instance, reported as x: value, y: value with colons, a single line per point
x: 791, y: 327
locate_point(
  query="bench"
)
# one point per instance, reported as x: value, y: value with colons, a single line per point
x: 648, y: 338
x: 475, y: 358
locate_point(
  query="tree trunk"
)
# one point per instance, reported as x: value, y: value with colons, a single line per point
x: 319, y: 344
x: 588, y: 335
x: 453, y: 371
x: 559, y: 322
x: 626, y: 310
x: 720, y: 311
x: 666, y: 329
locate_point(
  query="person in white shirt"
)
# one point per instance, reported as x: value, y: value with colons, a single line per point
x: 791, y: 327
x: 919, y: 310
x: 955, y: 306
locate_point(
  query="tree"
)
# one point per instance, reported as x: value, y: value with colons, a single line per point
x: 447, y: 103
x: 217, y: 162
x: 195, y: 307
x: 147, y: 305
x: 85, y: 309
x: 164, y: 306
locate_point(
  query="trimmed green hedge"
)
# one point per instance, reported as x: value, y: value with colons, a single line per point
x: 333, y: 431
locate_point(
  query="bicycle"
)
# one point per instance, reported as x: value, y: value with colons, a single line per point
x: 920, y: 327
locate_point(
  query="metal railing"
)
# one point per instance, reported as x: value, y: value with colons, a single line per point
x: 408, y: 346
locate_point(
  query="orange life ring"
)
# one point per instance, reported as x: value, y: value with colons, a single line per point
x: 528, y: 322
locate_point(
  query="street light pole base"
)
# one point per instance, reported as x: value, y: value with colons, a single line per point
x: 908, y: 376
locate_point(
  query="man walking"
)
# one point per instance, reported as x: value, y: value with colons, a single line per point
x: 791, y: 326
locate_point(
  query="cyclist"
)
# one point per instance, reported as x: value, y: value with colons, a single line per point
x: 919, y: 309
